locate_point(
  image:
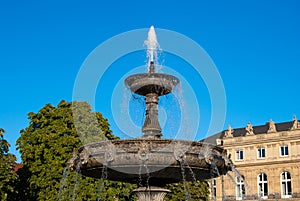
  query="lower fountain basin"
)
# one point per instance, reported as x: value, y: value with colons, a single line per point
x: 154, y: 162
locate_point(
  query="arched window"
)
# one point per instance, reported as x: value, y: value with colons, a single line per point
x: 286, y: 185
x: 213, y: 189
x: 240, y: 188
x: 262, y: 181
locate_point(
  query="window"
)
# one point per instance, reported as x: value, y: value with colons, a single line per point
x: 261, y: 153
x: 284, y: 150
x: 239, y: 155
x: 262, y: 185
x: 213, y: 189
x: 240, y: 188
x: 286, y: 185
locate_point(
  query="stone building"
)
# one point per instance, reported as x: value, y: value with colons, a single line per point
x: 267, y: 160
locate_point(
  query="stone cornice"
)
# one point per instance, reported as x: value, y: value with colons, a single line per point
x: 268, y: 163
x: 261, y: 138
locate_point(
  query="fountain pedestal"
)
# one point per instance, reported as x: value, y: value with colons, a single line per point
x: 150, y: 193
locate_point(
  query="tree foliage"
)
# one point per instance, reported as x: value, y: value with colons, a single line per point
x: 8, y: 177
x: 196, y: 190
x: 47, y: 144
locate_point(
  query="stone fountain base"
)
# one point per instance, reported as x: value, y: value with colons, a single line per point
x: 151, y: 193
x: 153, y: 162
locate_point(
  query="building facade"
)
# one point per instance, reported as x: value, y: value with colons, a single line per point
x: 266, y: 160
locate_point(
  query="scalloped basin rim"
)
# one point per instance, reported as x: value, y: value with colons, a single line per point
x: 151, y: 75
x: 146, y: 83
x: 152, y: 141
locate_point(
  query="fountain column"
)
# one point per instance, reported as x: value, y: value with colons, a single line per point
x: 151, y: 127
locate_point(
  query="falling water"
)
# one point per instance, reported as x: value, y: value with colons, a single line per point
x: 144, y: 157
x: 214, y: 169
x: 143, y: 154
x: 185, y: 186
x: 144, y: 165
x: 236, y: 172
x: 179, y: 154
x: 207, y: 154
x: 109, y: 157
x: 100, y: 189
x: 78, y: 176
x: 171, y: 106
x: 63, y: 184
x: 185, y: 131
x: 192, y: 174
x: 147, y: 174
x: 239, y: 175
x: 124, y: 109
x: 147, y: 180
x: 191, y: 171
x: 231, y: 178
x: 132, y: 107
x: 140, y: 182
x: 101, y: 182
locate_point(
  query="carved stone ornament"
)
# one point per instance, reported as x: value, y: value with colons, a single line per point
x: 85, y: 156
x: 144, y: 151
x: 296, y: 124
x: 272, y: 127
x: 249, y: 129
x: 179, y: 151
x: 229, y: 132
x: 72, y: 163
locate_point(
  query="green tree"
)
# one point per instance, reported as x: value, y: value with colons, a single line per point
x: 197, y: 190
x: 8, y: 177
x: 47, y: 144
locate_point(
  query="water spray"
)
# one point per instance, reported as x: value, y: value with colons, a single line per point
x: 152, y: 45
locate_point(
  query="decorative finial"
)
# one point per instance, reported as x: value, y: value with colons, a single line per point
x: 229, y: 132
x: 296, y: 124
x: 272, y: 127
x: 249, y: 129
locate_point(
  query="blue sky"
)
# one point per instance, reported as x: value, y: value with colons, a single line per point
x: 254, y: 45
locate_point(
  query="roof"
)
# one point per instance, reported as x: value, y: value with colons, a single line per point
x: 17, y: 167
x: 262, y: 129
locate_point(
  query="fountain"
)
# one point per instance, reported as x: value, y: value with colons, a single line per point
x: 151, y: 161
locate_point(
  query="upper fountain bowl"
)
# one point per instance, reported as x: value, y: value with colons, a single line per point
x: 146, y: 83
